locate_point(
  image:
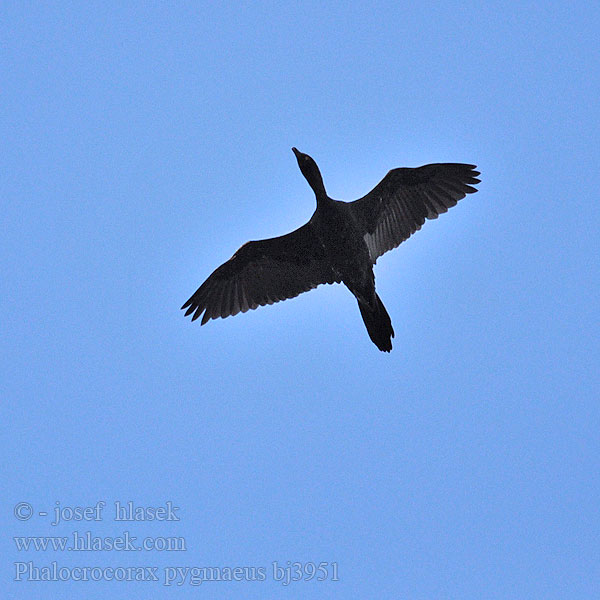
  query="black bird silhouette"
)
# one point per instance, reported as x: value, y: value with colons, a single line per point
x: 340, y: 243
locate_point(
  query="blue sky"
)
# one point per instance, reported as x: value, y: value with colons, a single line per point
x: 143, y: 143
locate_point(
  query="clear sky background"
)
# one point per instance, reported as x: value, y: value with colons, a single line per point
x: 143, y: 143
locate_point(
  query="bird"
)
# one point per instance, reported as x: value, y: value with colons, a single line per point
x: 339, y: 244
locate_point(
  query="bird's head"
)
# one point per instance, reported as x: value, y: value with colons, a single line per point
x: 310, y: 170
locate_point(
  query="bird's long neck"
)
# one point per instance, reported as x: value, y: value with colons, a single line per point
x: 318, y: 187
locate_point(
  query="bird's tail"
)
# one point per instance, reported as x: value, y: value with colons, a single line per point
x: 378, y: 323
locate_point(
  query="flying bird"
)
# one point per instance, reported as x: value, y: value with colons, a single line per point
x: 340, y: 244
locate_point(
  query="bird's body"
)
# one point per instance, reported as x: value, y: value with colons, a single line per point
x: 342, y: 241
x: 340, y: 244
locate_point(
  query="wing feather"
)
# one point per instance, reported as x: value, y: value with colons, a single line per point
x: 401, y: 202
x: 262, y: 272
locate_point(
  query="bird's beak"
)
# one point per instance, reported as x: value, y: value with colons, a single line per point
x: 295, y: 151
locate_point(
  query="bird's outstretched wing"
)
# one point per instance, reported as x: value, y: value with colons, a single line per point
x: 263, y: 272
x: 399, y: 204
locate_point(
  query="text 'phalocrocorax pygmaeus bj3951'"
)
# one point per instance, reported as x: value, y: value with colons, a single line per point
x: 340, y: 244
